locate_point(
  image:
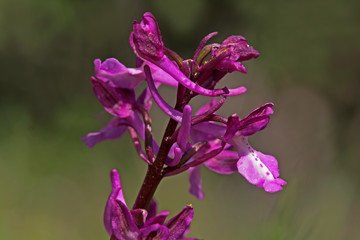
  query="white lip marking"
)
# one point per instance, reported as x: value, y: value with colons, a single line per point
x: 241, y: 142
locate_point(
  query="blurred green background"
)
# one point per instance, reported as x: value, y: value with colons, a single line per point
x: 53, y: 187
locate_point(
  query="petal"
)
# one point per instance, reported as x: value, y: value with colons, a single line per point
x: 158, y: 219
x: 206, y: 131
x: 184, y: 130
x: 264, y: 110
x: 207, y: 107
x: 154, y: 232
x: 259, y: 169
x: 251, y: 126
x: 122, y: 223
x: 233, y: 125
x: 147, y: 39
x: 180, y: 224
x: 116, y: 194
x: 230, y: 66
x: 113, y: 130
x: 169, y: 67
x: 195, y: 182
x: 257, y: 120
x: 224, y: 163
x: 177, y: 157
x: 240, y: 50
x: 118, y: 102
x: 111, y: 70
x: 202, y: 43
x: 164, y: 106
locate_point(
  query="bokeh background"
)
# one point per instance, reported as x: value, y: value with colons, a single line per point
x: 53, y: 187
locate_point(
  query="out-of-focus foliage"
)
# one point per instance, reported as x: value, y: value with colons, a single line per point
x: 53, y: 187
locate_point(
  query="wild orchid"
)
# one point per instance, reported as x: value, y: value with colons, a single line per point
x: 190, y: 139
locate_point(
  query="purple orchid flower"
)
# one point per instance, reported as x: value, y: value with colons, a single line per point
x: 259, y: 169
x: 121, y: 103
x: 238, y: 51
x: 190, y: 140
x: 111, y: 71
x: 139, y: 224
x: 147, y: 44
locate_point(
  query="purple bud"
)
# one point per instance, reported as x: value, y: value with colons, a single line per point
x: 147, y: 39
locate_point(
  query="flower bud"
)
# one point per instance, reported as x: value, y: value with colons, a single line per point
x: 147, y: 39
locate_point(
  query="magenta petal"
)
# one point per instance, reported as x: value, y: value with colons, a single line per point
x: 203, y: 42
x: 111, y: 70
x: 250, y: 126
x: 115, y: 129
x: 122, y: 223
x: 207, y: 107
x: 164, y: 106
x: 158, y: 219
x: 259, y: 169
x: 147, y: 39
x: 116, y: 194
x: 168, y: 66
x: 179, y: 225
x: 184, y: 131
x: 195, y: 182
x: 207, y: 129
x: 230, y: 66
x: 224, y: 163
x: 240, y: 50
x: 263, y: 110
x: 118, y: 102
x: 177, y: 157
x: 274, y: 186
x: 154, y: 232
x: 270, y: 162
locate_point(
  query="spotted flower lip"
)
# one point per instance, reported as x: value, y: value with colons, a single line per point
x: 259, y: 169
x: 125, y: 224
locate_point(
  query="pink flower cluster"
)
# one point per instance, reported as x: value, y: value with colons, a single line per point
x: 191, y: 139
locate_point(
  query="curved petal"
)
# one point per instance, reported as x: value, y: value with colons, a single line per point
x: 122, y: 223
x: 223, y: 163
x: 180, y: 224
x: 195, y: 182
x: 119, y: 75
x: 164, y: 106
x: 154, y: 232
x: 230, y: 66
x: 116, y: 194
x: 184, y: 130
x: 116, y: 101
x: 113, y: 130
x: 158, y: 219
